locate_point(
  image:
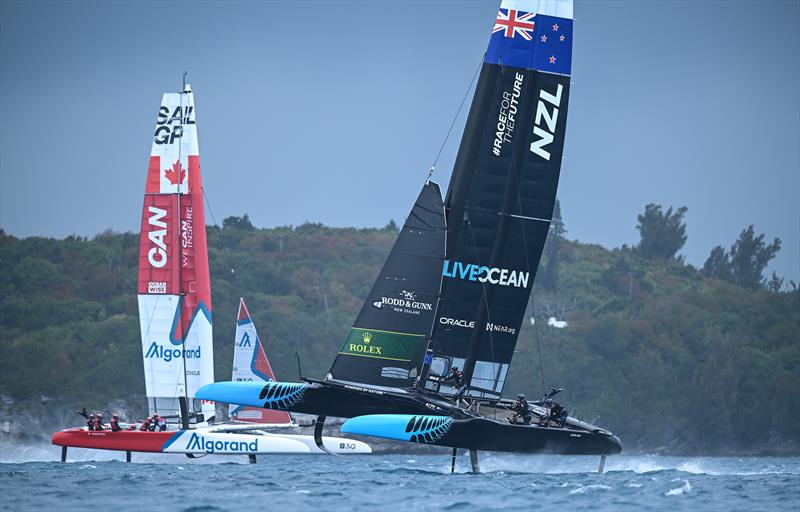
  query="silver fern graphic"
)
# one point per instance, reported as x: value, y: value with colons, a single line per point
x: 428, y: 429
x: 281, y: 396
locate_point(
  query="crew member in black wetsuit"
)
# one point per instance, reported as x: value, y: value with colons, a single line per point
x: 90, y: 421
x: 521, y: 410
x: 455, y: 379
x: 98, y: 421
x: 154, y: 423
x: 557, y: 413
x: 115, y: 423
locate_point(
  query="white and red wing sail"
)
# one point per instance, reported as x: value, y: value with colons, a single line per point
x: 174, y: 288
x: 250, y: 363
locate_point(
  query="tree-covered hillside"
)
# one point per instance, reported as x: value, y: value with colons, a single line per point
x: 663, y: 354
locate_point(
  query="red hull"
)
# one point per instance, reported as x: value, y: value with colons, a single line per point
x: 127, y: 440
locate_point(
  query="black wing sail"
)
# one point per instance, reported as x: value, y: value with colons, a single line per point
x: 387, y: 342
x: 502, y: 192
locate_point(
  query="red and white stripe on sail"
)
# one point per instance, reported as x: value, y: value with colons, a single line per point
x: 174, y: 289
x: 250, y: 363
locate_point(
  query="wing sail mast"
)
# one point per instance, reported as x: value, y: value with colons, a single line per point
x: 174, y: 290
x: 502, y: 192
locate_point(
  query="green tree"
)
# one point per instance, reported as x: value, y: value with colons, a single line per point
x: 718, y: 264
x: 552, y: 250
x: 775, y: 283
x: 749, y: 257
x: 391, y: 226
x: 234, y: 222
x: 662, y: 233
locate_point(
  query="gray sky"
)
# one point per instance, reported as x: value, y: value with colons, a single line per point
x: 333, y: 112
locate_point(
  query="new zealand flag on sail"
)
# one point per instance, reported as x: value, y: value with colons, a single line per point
x: 534, y: 41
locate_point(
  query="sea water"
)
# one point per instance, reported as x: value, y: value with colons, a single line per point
x: 31, y: 479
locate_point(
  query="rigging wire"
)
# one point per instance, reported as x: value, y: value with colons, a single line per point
x: 539, y: 349
x: 485, y: 303
x: 208, y: 206
x: 214, y: 220
x: 433, y: 168
x: 533, y: 299
x: 429, y: 341
x: 484, y: 295
x: 453, y: 123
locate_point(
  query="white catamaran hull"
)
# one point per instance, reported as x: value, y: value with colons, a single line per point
x: 202, y: 442
x: 336, y: 445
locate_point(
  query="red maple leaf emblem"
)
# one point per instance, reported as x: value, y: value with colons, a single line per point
x: 176, y: 174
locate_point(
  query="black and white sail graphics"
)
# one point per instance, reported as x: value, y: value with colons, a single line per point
x: 387, y: 342
x: 502, y: 192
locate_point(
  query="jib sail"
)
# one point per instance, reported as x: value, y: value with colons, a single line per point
x: 250, y: 363
x: 386, y: 345
x: 174, y: 291
x: 501, y: 195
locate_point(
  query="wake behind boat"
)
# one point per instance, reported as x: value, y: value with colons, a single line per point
x: 427, y: 357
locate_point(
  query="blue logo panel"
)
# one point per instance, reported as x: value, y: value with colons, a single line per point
x: 272, y: 395
x: 402, y: 427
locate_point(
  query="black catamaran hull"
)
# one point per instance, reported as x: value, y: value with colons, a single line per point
x: 482, y: 433
x: 464, y: 430
x: 501, y: 436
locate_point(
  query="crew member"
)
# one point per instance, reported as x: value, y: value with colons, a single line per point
x: 98, y: 421
x: 455, y: 378
x: 115, y: 423
x: 557, y: 413
x: 521, y: 410
x: 90, y: 421
x: 146, y: 424
x: 162, y: 424
x: 154, y: 423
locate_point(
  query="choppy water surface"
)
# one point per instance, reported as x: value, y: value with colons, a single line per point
x: 389, y: 482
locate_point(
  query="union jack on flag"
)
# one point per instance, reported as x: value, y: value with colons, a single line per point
x: 514, y: 22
